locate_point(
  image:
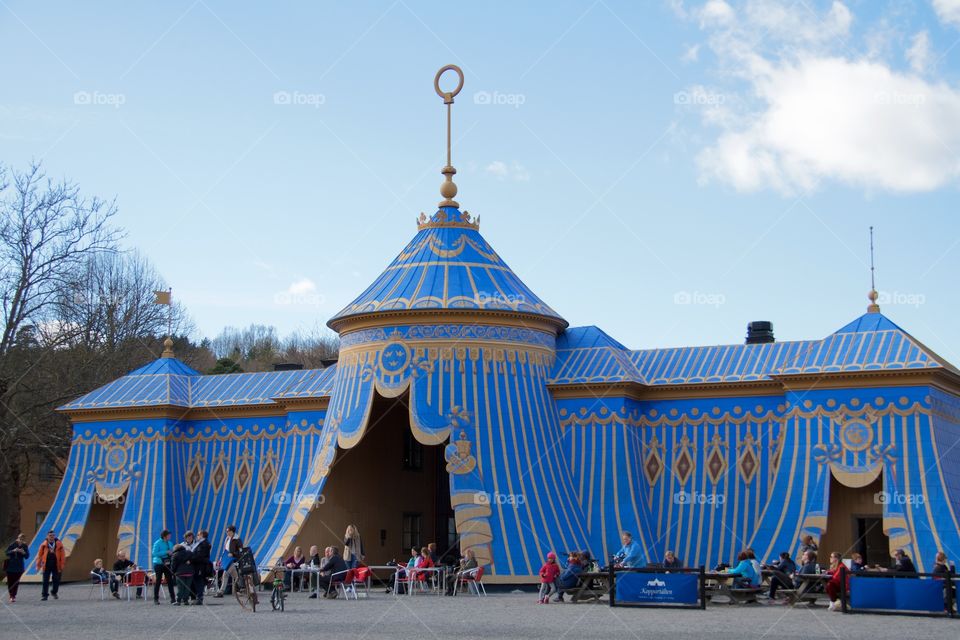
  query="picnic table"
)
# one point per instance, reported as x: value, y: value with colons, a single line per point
x: 590, y: 586
x: 809, y: 590
x: 722, y: 586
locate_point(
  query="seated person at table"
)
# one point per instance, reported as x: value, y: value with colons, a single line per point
x: 783, y: 570
x: 569, y: 576
x: 856, y: 562
x: 293, y: 562
x: 425, y: 562
x: 630, y: 554
x: 412, y: 564
x: 98, y: 574
x: 839, y: 579
x: 671, y: 561
x: 467, y: 563
x: 757, y: 567
x: 434, y: 556
x: 586, y: 559
x: 902, y: 562
x: 120, y: 568
x: 332, y: 571
x: 808, y: 566
x: 745, y: 576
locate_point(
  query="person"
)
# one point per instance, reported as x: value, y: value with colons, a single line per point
x: 17, y: 554
x: 808, y: 566
x: 941, y: 567
x: 181, y: 568
x: 757, y: 567
x: 856, y: 563
x: 291, y: 564
x: 352, y: 547
x: 412, y: 564
x: 839, y: 579
x: 782, y: 569
x: 229, y: 553
x: 671, y: 561
x: 425, y: 562
x: 331, y: 572
x: 98, y: 574
x: 51, y: 559
x: 549, y: 573
x: 902, y: 562
x: 202, y: 568
x: 161, y: 557
x: 570, y: 575
x: 434, y: 556
x: 467, y: 563
x: 808, y: 545
x: 121, y: 566
x: 629, y: 554
x: 745, y: 575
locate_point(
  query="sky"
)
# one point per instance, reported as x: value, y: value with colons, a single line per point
x: 666, y: 170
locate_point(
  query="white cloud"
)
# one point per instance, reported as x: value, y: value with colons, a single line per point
x: 948, y: 11
x: 691, y: 54
x: 715, y: 12
x: 811, y: 114
x: 503, y: 171
x: 918, y: 55
x: 301, y: 287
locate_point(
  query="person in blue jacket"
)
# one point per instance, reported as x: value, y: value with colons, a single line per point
x: 17, y: 553
x: 162, y: 557
x: 745, y: 574
x: 570, y: 574
x: 630, y: 554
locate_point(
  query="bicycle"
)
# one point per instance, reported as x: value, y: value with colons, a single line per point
x: 277, y: 596
x: 246, y: 592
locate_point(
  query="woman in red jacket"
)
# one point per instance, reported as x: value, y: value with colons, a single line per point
x: 839, y: 579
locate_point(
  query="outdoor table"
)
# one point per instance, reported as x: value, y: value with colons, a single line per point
x: 724, y: 588
x: 591, y: 586
x: 396, y: 568
x: 807, y: 590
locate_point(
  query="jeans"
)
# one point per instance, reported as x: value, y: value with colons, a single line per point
x: 47, y: 574
x: 161, y: 571
x: 546, y: 588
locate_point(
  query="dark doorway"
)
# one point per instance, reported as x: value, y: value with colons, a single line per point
x: 871, y: 542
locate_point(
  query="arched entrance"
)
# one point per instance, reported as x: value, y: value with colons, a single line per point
x: 99, y: 539
x: 855, y: 523
x: 394, y: 489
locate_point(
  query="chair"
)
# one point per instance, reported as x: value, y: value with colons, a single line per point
x: 136, y: 579
x: 103, y: 582
x: 471, y: 578
x: 361, y: 576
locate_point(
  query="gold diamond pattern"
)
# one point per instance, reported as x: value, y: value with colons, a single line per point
x: 748, y: 463
x: 683, y: 463
x: 219, y: 475
x: 653, y: 462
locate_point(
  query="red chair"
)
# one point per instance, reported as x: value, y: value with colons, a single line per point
x: 472, y: 579
x: 359, y: 577
x: 136, y: 579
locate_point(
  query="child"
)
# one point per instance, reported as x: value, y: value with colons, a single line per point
x: 183, y: 570
x: 549, y: 573
x: 98, y: 574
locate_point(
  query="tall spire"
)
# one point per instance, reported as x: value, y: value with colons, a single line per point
x: 873, y: 307
x: 166, y: 298
x: 448, y: 189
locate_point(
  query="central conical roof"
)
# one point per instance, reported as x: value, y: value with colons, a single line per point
x: 448, y: 266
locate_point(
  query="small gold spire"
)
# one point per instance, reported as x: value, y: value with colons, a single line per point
x: 448, y: 189
x: 167, y: 348
x: 873, y: 307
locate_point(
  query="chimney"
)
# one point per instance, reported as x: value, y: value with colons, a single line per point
x: 287, y: 366
x: 759, y: 332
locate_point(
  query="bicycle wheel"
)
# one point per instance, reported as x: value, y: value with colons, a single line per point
x: 252, y: 593
x: 240, y: 591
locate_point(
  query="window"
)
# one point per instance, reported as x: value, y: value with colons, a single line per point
x: 412, y: 452
x: 48, y: 472
x: 412, y: 531
x: 38, y: 519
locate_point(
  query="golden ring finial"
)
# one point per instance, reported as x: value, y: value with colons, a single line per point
x: 448, y: 95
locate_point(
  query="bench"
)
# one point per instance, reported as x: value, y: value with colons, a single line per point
x: 590, y: 586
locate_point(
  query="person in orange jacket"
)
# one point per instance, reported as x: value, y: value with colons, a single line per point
x: 51, y: 559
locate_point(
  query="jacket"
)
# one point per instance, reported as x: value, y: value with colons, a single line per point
x: 569, y: 576
x: 549, y: 572
x: 161, y: 550
x: 180, y: 563
x: 16, y: 557
x: 334, y: 564
x: 201, y: 558
x: 58, y: 551
x: 746, y: 570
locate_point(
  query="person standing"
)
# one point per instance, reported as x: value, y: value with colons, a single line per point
x: 17, y: 554
x: 51, y: 558
x: 352, y: 547
x: 162, y: 557
x: 202, y: 569
x: 230, y: 553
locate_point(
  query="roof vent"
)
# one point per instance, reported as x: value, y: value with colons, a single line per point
x: 287, y: 366
x: 759, y: 332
